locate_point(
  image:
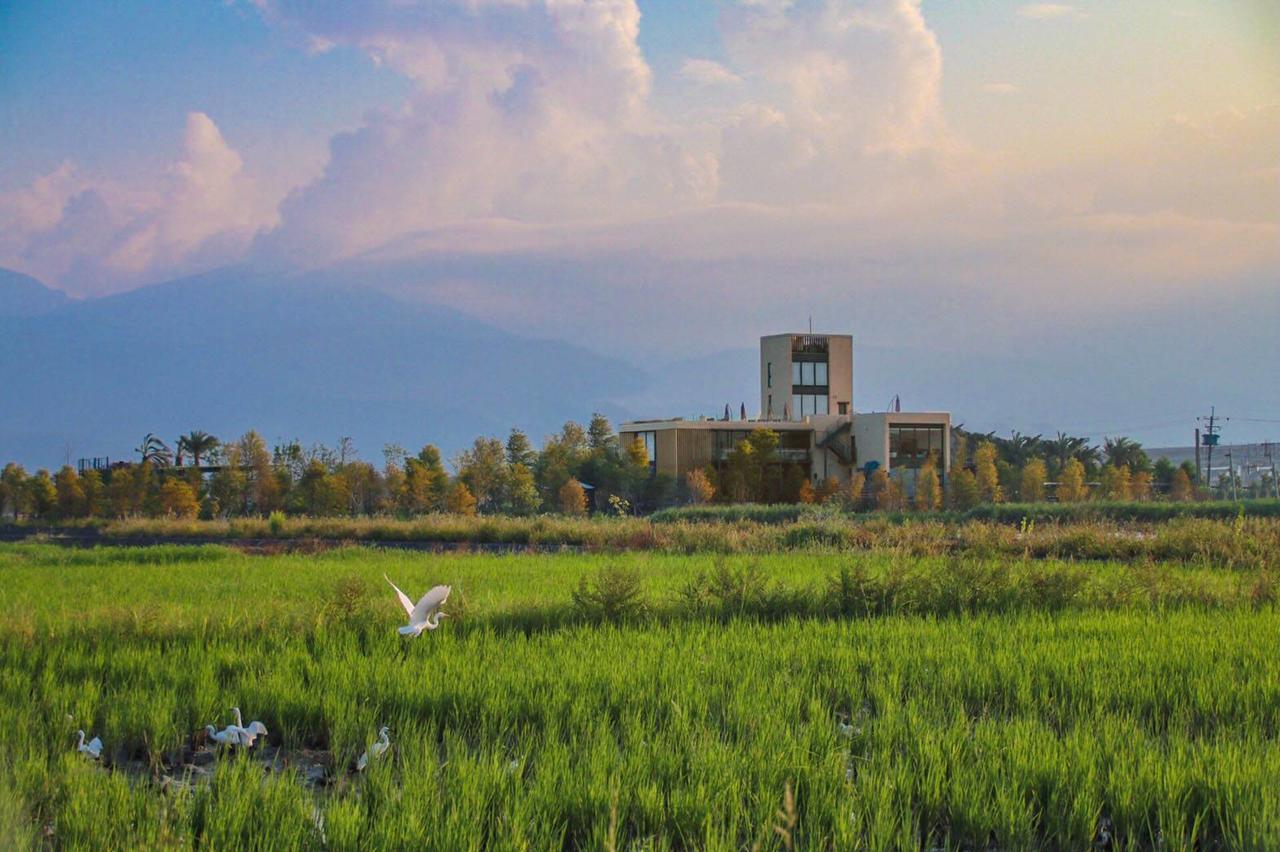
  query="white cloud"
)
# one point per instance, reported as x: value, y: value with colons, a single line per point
x: 707, y: 72
x: 96, y: 235
x: 1042, y: 11
x: 1001, y: 88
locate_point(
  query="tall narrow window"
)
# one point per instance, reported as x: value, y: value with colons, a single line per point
x: 820, y: 373
x: 769, y: 374
x: 795, y: 372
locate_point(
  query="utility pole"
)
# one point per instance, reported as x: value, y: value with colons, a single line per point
x: 1231, y: 472
x: 1210, y: 440
x: 1266, y: 451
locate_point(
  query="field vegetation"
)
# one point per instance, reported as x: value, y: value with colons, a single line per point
x: 888, y: 697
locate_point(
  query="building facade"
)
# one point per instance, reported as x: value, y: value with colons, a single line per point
x: 806, y: 396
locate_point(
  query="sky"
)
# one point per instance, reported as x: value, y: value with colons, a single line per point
x: 663, y: 179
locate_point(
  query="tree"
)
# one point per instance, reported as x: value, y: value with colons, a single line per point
x: 197, y: 444
x: 71, y: 502
x: 177, y: 499
x: 42, y: 495
x: 857, y: 485
x: 1140, y: 488
x: 1180, y: 489
x: 1071, y: 484
x: 483, y: 469
x: 1031, y: 486
x: 748, y: 460
x: 1124, y: 452
x: 827, y: 489
x: 599, y: 434
x: 573, y: 498
x: 963, y: 491
x: 155, y: 451
x: 1064, y: 447
x: 959, y: 448
x: 806, y: 493
x: 700, y: 488
x: 459, y: 500
x: 522, y: 493
x: 519, y: 450
x: 928, y: 487
x: 1116, y: 482
x: 426, y: 482
x: 984, y: 462
x: 13, y: 491
x: 793, y: 478
x: 887, y: 492
x: 91, y: 485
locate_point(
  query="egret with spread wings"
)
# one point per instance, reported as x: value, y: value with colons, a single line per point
x: 426, y: 614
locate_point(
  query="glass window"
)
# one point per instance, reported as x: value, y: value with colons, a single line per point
x: 910, y: 446
x: 769, y: 373
x: 650, y: 441
x: 795, y: 372
x: 806, y: 373
x: 820, y: 373
x: 795, y: 407
x: 820, y: 404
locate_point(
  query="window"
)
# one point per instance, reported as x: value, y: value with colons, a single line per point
x: 806, y: 373
x: 769, y: 373
x: 911, y: 445
x: 844, y: 407
x: 650, y: 440
x: 804, y: 404
x: 820, y: 404
x: 820, y: 373
x: 795, y: 372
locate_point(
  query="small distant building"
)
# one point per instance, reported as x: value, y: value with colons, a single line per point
x: 806, y: 396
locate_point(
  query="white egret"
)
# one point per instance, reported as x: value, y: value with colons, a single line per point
x: 426, y: 614
x: 92, y: 749
x: 375, y: 750
x: 252, y: 732
x: 229, y: 736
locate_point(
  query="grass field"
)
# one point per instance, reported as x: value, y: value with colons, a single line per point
x: 998, y: 701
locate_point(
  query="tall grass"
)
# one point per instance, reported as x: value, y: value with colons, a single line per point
x: 1021, y: 701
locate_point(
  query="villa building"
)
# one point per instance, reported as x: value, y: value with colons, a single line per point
x: 806, y: 396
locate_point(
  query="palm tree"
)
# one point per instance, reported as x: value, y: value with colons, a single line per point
x: 1065, y: 447
x: 198, y: 444
x: 155, y: 451
x: 1124, y: 452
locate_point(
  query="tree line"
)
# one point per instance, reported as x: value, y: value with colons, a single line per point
x: 201, y: 476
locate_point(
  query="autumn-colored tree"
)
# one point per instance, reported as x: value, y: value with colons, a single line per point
x: 700, y: 488
x: 573, y: 498
x: 959, y: 450
x: 828, y: 489
x: 42, y: 494
x: 71, y: 502
x: 887, y: 492
x: 483, y: 469
x: 91, y: 485
x: 425, y: 482
x: 984, y: 462
x: 963, y: 489
x: 177, y: 499
x: 459, y: 500
x: 13, y: 491
x: 1140, y: 488
x: 1180, y: 490
x: 1116, y: 482
x: 857, y: 485
x: 1071, y: 484
x: 1031, y: 486
x: 806, y: 494
x: 928, y: 487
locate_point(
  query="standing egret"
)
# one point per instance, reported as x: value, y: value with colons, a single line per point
x: 426, y: 614
x: 375, y: 750
x: 91, y: 749
x: 229, y: 736
x: 248, y: 735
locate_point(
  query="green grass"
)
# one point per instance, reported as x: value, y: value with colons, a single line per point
x: 1020, y: 699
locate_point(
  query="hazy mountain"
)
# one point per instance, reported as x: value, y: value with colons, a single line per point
x: 298, y: 357
x: 23, y: 296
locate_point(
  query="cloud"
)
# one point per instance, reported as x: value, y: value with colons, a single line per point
x: 707, y: 72
x: 1000, y: 88
x: 91, y: 234
x: 1043, y: 11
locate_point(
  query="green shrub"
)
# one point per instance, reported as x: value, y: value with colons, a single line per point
x: 614, y: 594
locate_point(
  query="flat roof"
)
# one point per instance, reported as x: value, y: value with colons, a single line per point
x: 736, y: 425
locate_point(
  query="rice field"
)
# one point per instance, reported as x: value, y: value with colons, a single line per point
x: 812, y: 699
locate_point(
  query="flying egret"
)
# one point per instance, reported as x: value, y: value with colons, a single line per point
x: 92, y: 749
x: 375, y: 750
x: 426, y: 614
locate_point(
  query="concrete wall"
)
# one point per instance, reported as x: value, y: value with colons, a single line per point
x: 775, y: 349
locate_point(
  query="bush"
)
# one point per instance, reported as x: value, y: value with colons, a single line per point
x: 613, y: 595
